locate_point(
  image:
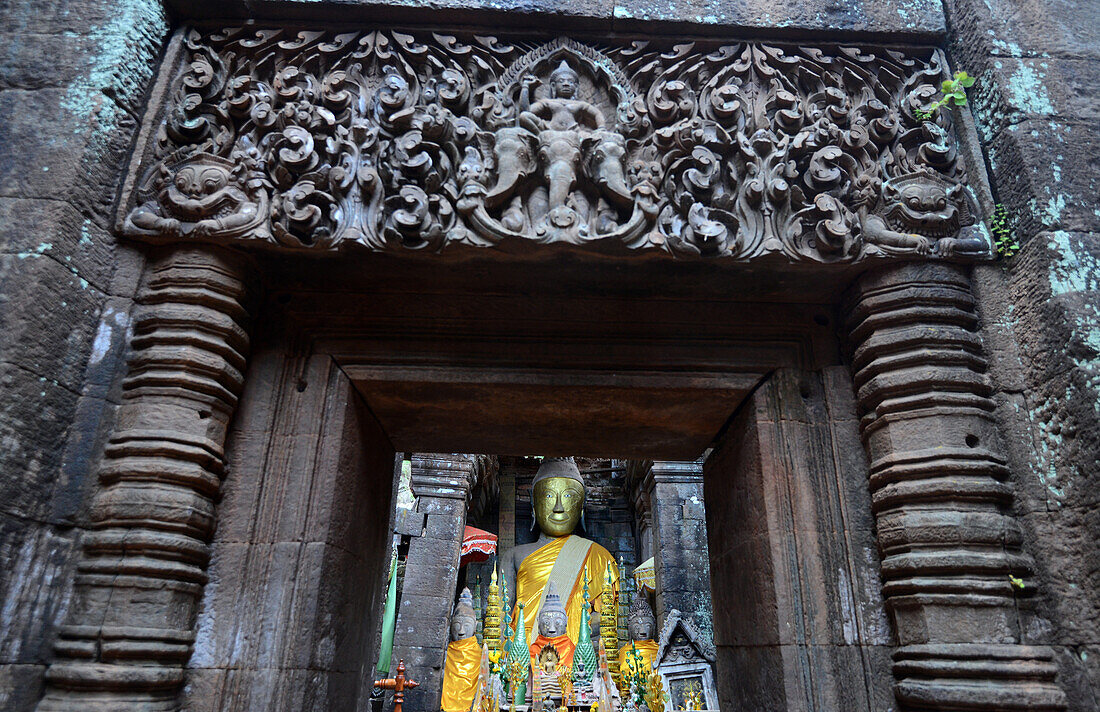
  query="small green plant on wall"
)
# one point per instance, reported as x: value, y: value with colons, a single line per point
x: 1003, y: 238
x: 954, y: 92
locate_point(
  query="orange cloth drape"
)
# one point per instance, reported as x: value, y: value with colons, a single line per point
x: 562, y: 643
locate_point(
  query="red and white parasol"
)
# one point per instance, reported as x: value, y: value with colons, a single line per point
x: 477, y: 545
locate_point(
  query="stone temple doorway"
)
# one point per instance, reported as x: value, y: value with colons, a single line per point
x: 354, y: 251
x: 342, y: 379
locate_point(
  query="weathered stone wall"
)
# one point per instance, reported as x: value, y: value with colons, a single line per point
x: 289, y: 617
x: 73, y: 78
x: 900, y: 20
x: 1036, y: 104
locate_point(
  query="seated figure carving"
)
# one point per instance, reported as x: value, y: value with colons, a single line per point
x: 566, y: 130
x: 552, y: 622
x: 638, y: 656
x: 463, y: 663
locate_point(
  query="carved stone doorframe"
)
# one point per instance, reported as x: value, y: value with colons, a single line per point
x: 792, y: 158
x: 952, y: 564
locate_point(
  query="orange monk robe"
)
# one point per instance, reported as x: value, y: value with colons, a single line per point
x: 647, y: 649
x: 562, y: 644
x: 534, y: 572
x: 460, y: 674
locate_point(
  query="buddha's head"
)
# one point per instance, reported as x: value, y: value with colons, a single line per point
x: 640, y: 623
x: 557, y: 495
x: 563, y: 81
x: 552, y: 618
x: 463, y: 620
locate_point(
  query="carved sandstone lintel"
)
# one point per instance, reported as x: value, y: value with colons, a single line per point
x: 950, y: 545
x: 130, y: 627
x: 392, y: 141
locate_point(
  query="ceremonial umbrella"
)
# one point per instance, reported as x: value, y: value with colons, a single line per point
x: 645, y: 576
x: 477, y: 545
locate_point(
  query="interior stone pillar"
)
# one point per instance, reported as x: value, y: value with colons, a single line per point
x: 679, y: 520
x: 941, y: 495
x: 442, y: 485
x: 130, y: 625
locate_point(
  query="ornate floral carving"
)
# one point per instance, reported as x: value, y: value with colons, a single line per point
x: 393, y: 141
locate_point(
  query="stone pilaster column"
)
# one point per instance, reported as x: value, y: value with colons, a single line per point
x: 442, y: 485
x: 130, y: 626
x: 942, y: 497
x: 683, y: 562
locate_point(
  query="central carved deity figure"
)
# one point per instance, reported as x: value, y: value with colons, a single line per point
x: 559, y: 560
x: 568, y: 129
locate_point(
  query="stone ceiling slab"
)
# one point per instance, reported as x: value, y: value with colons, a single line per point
x: 910, y: 20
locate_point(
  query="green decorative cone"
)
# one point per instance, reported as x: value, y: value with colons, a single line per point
x: 519, y: 658
x: 584, y: 650
x: 389, y: 621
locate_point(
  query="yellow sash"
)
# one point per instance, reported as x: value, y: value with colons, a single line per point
x: 534, y: 573
x: 460, y: 674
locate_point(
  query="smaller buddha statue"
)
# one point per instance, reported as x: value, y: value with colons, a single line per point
x: 463, y: 663
x: 582, y: 683
x: 552, y: 624
x: 639, y: 654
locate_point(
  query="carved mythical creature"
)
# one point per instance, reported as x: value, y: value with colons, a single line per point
x: 922, y: 213
x: 200, y: 196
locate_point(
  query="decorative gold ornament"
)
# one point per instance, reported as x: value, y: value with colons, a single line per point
x: 493, y: 616
x: 609, y: 623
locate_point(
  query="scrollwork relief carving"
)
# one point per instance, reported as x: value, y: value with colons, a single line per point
x: 317, y: 140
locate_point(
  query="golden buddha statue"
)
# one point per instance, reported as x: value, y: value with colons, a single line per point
x: 558, y: 556
x: 463, y: 663
x: 638, y: 655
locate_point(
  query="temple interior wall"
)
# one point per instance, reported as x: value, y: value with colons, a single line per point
x: 73, y: 88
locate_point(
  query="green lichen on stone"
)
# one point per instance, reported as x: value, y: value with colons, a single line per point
x: 120, y: 68
x: 1025, y: 87
x: 1071, y: 272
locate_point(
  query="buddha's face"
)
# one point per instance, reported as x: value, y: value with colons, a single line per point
x: 559, y: 502
x: 640, y: 628
x: 462, y: 627
x: 552, y: 624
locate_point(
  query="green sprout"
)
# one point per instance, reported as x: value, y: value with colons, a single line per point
x: 1016, y: 582
x: 1000, y: 227
x: 954, y: 92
